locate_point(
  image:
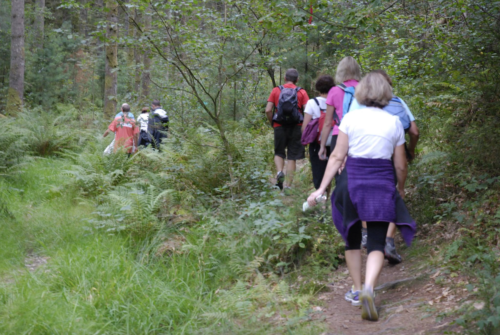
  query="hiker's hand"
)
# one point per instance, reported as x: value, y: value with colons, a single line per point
x: 401, y: 193
x: 341, y: 168
x: 412, y: 155
x: 322, y: 154
x: 312, y: 198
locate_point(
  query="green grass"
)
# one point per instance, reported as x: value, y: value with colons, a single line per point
x: 98, y: 283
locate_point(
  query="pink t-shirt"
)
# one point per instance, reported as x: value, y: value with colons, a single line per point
x: 335, y: 98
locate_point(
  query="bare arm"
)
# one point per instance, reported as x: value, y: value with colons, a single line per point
x: 307, y: 119
x: 270, y: 111
x: 334, y: 163
x: 325, y: 132
x: 106, y: 133
x: 401, y: 166
x: 414, y: 135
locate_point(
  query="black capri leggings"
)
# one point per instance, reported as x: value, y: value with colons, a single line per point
x: 377, y: 231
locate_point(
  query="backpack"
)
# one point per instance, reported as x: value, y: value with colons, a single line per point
x: 157, y: 128
x: 395, y: 107
x: 322, y: 117
x: 346, y: 104
x: 287, y: 111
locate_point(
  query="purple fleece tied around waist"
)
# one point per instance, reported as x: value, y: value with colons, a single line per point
x: 366, y: 191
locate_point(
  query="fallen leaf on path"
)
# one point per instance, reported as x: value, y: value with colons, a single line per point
x: 317, y: 309
x: 430, y: 302
x: 436, y: 274
x: 479, y: 305
x: 399, y: 309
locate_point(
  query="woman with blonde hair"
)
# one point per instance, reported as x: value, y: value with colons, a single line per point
x: 348, y: 75
x: 365, y: 190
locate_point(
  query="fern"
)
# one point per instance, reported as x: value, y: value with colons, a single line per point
x: 135, y: 210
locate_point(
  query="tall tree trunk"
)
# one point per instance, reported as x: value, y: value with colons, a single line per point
x: 111, y: 75
x: 39, y: 23
x: 137, y: 58
x: 84, y: 25
x: 146, y: 60
x: 16, y: 76
x: 131, y: 29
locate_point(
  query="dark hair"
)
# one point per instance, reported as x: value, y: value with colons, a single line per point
x: 156, y: 103
x: 386, y: 76
x: 145, y: 110
x: 292, y: 75
x: 324, y: 83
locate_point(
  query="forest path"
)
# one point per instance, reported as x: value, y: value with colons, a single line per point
x: 409, y: 305
x: 410, y: 297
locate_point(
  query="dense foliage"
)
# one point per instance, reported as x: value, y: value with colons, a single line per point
x: 194, y: 239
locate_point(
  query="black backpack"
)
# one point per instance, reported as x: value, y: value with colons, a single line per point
x: 287, y: 112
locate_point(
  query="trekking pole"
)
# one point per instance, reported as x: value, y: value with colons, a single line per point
x: 320, y: 199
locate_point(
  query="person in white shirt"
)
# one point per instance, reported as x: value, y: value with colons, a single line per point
x: 144, y: 135
x: 159, y: 124
x: 313, y: 110
x: 372, y: 140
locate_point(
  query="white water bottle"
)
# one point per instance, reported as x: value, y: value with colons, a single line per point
x: 305, y: 205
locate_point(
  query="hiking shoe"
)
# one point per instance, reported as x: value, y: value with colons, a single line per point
x: 390, y: 253
x: 353, y: 297
x: 364, y: 237
x: 368, y: 309
x: 280, y: 178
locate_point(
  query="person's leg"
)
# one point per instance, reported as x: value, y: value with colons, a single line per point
x: 295, y: 151
x: 318, y: 166
x: 391, y: 231
x: 376, y: 243
x: 279, y: 162
x: 279, y: 154
x: 390, y: 247
x: 354, y: 262
x: 291, y: 166
x: 364, y: 235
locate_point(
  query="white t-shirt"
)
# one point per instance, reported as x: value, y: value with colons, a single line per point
x: 356, y: 105
x: 372, y: 132
x: 313, y: 109
x: 160, y: 112
x: 143, y: 119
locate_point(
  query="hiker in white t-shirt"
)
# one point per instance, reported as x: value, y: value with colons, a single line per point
x: 366, y: 189
x: 314, y: 109
x: 158, y: 124
x: 144, y: 136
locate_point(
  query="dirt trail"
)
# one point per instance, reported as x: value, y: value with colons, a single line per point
x: 408, y: 308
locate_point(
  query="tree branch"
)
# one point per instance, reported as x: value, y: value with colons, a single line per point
x: 327, y: 22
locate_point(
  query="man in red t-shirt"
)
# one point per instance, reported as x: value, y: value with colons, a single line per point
x: 287, y: 142
x: 126, y: 131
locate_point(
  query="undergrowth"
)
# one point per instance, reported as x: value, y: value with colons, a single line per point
x: 159, y: 242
